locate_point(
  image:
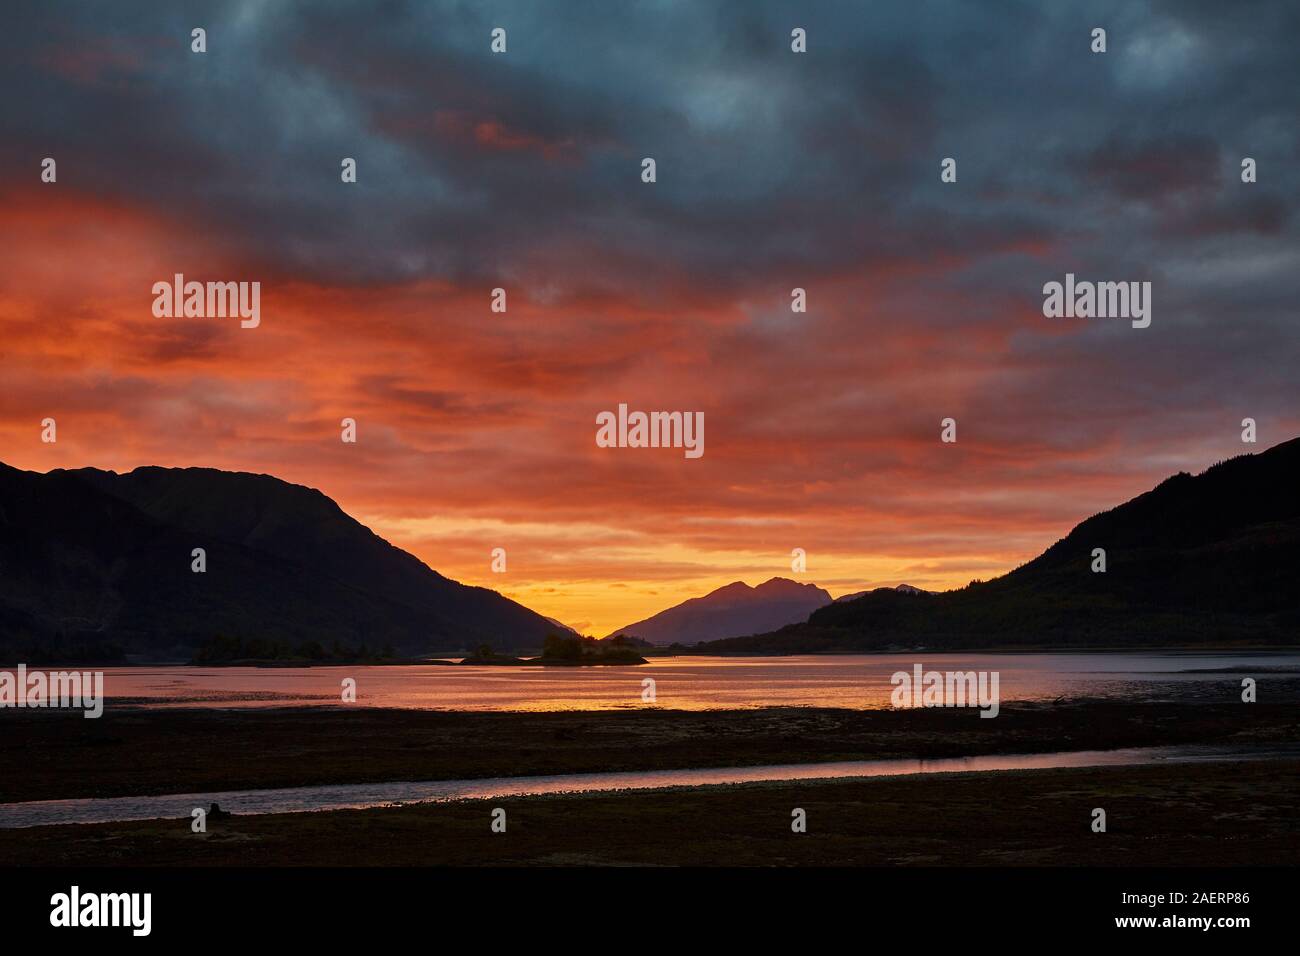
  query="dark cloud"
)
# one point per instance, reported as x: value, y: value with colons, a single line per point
x: 775, y: 170
x: 473, y: 165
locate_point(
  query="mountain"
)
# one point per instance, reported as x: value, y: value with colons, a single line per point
x: 560, y: 627
x: 1211, y: 558
x: 94, y: 563
x: 904, y: 588
x: 731, y: 610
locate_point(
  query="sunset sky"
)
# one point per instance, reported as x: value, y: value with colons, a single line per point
x: 522, y: 170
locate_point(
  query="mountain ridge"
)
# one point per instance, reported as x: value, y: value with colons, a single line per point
x: 102, y: 560
x: 901, y: 588
x: 733, y: 609
x: 1211, y: 557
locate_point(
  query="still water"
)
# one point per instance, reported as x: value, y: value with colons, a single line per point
x: 704, y: 683
x: 365, y: 795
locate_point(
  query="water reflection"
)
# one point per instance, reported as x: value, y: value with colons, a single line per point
x: 700, y: 683
x: 360, y: 796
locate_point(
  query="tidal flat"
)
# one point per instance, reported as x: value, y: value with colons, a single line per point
x: 46, y: 755
x: 1218, y: 814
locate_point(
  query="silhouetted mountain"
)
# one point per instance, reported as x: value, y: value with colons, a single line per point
x: 1210, y: 558
x: 734, y: 609
x: 905, y: 588
x: 95, y: 561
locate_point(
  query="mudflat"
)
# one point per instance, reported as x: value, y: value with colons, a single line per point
x: 1223, y: 814
x: 135, y: 752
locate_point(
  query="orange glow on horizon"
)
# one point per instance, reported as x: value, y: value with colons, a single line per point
x: 476, y: 430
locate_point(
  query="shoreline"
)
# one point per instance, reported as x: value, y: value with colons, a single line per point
x: 1156, y: 817
x: 340, y: 797
x: 48, y: 755
x: 449, y: 658
x: 1228, y: 812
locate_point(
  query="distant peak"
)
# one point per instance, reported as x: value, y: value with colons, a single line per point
x: 733, y: 587
x: 781, y: 584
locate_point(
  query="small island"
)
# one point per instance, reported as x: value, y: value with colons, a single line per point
x: 570, y: 650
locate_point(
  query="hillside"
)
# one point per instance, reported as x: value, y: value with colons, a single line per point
x: 1208, y: 558
x: 98, y: 563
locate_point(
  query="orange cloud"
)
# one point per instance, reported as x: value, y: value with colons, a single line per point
x: 476, y: 429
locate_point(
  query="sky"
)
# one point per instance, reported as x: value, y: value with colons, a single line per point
x: 774, y: 170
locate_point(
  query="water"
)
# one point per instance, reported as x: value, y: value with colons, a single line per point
x: 704, y: 683
x: 362, y: 796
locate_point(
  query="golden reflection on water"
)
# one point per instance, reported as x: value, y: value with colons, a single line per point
x: 685, y: 683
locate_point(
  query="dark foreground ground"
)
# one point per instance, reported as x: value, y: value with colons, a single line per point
x: 1195, y: 815
x: 1185, y: 814
x: 54, y: 754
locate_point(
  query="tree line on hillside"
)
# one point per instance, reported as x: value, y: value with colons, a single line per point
x: 224, y: 650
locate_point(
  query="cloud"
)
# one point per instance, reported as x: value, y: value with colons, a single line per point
x: 776, y: 170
